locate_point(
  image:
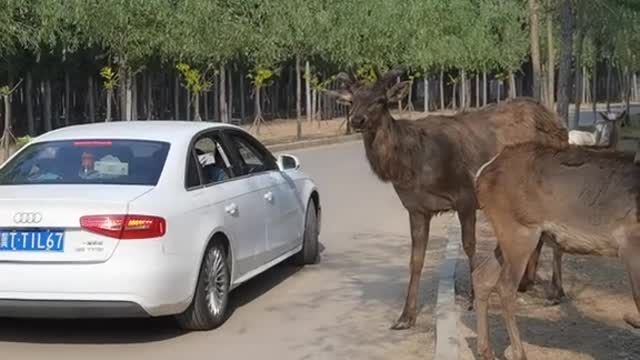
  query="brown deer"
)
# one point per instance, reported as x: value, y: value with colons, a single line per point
x: 430, y: 162
x: 584, y: 200
x: 605, y: 136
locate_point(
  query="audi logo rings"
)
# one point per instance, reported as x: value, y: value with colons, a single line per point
x: 27, y: 217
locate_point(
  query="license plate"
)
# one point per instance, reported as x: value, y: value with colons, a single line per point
x: 39, y: 240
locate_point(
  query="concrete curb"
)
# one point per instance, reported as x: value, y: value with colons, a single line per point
x: 447, y: 313
x: 313, y: 143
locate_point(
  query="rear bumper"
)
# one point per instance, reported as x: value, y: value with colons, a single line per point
x: 139, y: 279
x: 70, y: 309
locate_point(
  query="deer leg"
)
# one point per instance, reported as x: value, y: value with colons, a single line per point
x: 529, y: 277
x: 629, y: 254
x: 485, y: 277
x: 419, y: 239
x: 556, y: 293
x: 467, y: 218
x: 516, y: 259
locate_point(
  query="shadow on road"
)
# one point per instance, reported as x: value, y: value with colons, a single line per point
x: 573, y: 332
x: 131, y: 331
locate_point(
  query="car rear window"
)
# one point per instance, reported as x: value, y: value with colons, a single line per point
x: 90, y: 161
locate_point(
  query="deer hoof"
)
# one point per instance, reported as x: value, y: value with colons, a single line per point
x: 633, y: 320
x: 403, y: 323
x: 487, y: 355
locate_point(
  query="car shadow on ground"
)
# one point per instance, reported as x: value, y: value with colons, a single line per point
x: 131, y: 331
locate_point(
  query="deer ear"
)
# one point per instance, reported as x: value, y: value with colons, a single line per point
x: 343, y: 97
x: 398, y: 91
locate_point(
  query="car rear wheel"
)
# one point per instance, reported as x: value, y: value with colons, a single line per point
x: 208, y: 309
x: 309, y: 254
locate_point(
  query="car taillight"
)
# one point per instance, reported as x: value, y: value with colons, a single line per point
x: 125, y: 227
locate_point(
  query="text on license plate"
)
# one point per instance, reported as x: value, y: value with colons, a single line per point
x: 40, y: 240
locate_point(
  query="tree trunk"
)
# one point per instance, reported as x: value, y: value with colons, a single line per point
x: 499, y: 91
x: 585, y: 85
x: 67, y: 98
x: 314, y: 104
x: 176, y: 97
x: 307, y: 73
x: 578, y: 80
x: 298, y: 98
x: 608, y: 85
x: 189, y: 104
x: 196, y: 107
x: 149, y: 93
x: 454, y: 102
x: 109, y: 96
x: 426, y: 94
x: 535, y: 46
x: 512, y: 85
x: 28, y: 88
x: 224, y: 114
x: 463, y: 90
x: 242, y: 95
x: 230, y: 94
x: 551, y: 70
x: 205, y: 105
x: 635, y: 87
x: 91, y: 93
x: 442, y: 90
x: 484, y: 88
x: 129, y: 96
x: 7, y: 113
x: 567, y: 17
x: 134, y: 97
x: 122, y: 91
x: 48, y: 108
x: 257, y: 110
x: 594, y: 82
x: 477, y: 90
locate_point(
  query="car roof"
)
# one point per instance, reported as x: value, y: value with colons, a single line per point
x: 158, y: 130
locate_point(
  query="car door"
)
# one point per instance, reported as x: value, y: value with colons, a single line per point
x: 225, y: 190
x: 281, y: 203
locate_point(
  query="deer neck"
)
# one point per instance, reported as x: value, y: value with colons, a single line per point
x: 384, y: 151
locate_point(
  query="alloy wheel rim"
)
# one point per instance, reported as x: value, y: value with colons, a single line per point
x: 216, y: 283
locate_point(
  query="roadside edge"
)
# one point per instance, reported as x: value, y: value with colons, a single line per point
x: 447, y: 313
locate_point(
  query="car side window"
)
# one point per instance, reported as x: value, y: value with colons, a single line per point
x: 193, y: 176
x: 212, y: 159
x: 252, y: 160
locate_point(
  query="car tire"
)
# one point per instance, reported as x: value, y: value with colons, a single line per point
x: 309, y: 254
x: 208, y: 309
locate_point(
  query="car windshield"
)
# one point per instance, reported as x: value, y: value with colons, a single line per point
x: 103, y: 161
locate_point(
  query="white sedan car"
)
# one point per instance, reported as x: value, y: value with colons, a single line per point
x: 147, y: 218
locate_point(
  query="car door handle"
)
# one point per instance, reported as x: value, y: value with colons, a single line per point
x: 231, y: 209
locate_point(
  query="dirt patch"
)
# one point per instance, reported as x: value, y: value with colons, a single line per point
x: 587, y: 325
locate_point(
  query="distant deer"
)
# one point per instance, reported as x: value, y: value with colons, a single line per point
x: 606, y: 135
x: 431, y: 161
x: 606, y: 132
x: 586, y: 201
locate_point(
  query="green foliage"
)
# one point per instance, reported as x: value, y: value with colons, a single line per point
x: 110, y: 77
x: 261, y: 77
x: 22, y: 141
x: 195, y: 82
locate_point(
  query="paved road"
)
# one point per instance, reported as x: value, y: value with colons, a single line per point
x: 339, y: 309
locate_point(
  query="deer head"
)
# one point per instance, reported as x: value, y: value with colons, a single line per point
x: 613, y: 116
x: 369, y: 102
x: 608, y: 129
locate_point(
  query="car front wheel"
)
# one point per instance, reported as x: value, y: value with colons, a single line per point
x: 309, y: 254
x: 208, y: 309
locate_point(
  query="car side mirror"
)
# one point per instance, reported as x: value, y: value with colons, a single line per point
x: 286, y: 161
